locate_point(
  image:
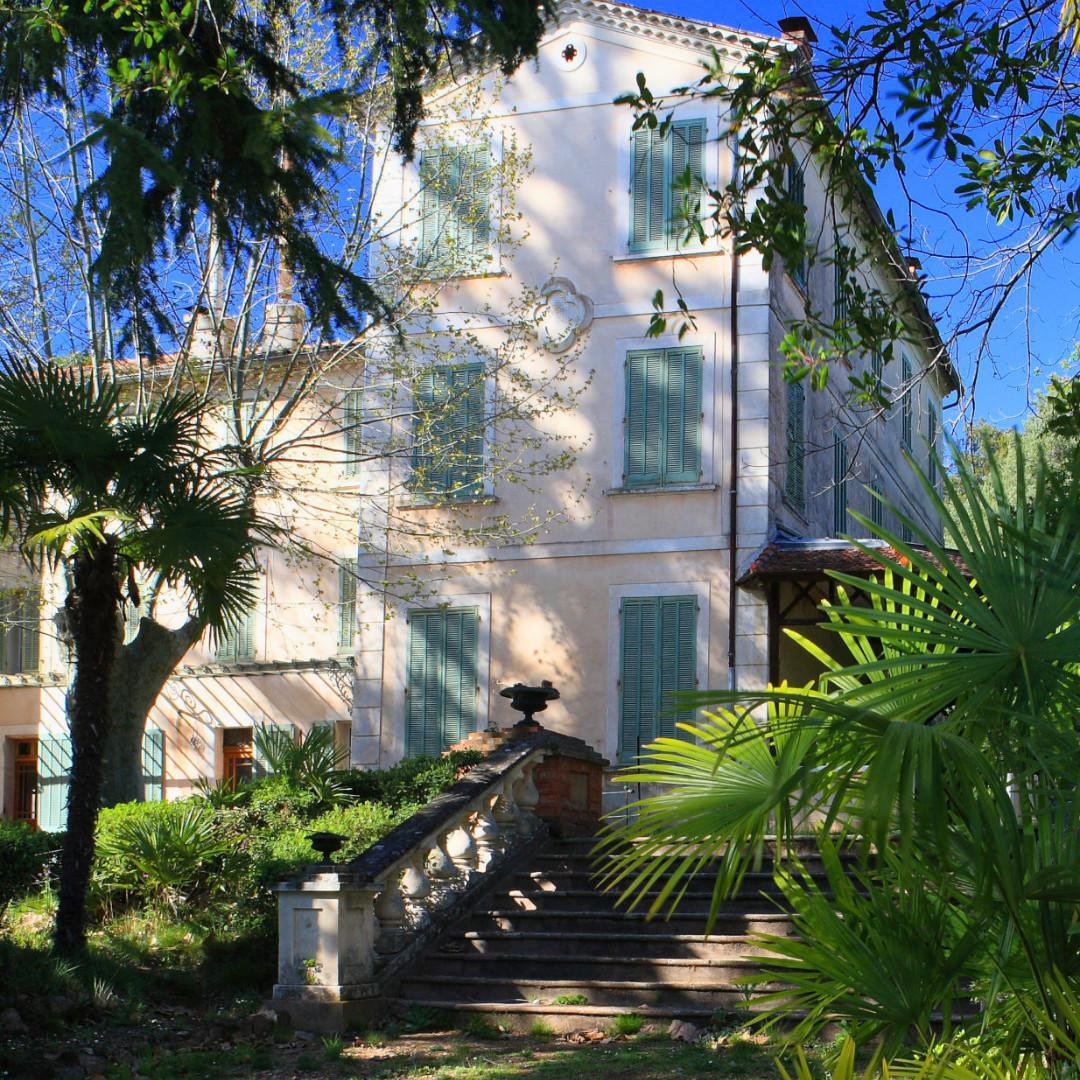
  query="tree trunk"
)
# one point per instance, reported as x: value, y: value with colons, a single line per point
x: 91, y: 607
x: 142, y: 668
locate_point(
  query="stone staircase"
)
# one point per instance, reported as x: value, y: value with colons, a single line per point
x: 545, y: 944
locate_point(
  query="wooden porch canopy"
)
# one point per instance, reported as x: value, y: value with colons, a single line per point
x: 794, y: 575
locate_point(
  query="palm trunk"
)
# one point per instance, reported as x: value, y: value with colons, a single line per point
x: 92, y: 612
x: 141, y: 670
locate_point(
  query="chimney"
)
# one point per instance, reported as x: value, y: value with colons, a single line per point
x: 797, y: 29
x: 283, y: 328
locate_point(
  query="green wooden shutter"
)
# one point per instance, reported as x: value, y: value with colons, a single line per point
x: 441, y: 679
x: 687, y: 152
x: 239, y: 643
x: 347, y: 605
x: 931, y: 444
x: 658, y: 658
x: 796, y: 444
x: 153, y: 764
x: 839, y: 296
x: 261, y: 765
x: 678, y: 660
x: 877, y: 365
x: 433, y: 205
x: 906, y: 405
x: 840, y: 468
x: 796, y: 192
x: 472, y: 208
x: 877, y: 510
x: 640, y: 629
x: 645, y: 379
x: 648, y: 190
x: 29, y: 632
x: 351, y: 417
x: 681, y: 434
x: 54, y: 776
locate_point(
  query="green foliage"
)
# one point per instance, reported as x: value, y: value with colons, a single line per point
x: 627, y: 1024
x: 572, y: 999
x: 942, y: 750
x: 206, y: 114
x: 24, y: 858
x: 415, y: 780
x: 309, y: 765
x: 163, y: 856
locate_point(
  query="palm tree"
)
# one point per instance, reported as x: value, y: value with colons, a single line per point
x: 111, y: 495
x: 944, y: 744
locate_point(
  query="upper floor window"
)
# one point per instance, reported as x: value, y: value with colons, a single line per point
x: 840, y: 471
x: 20, y: 612
x: 239, y: 642
x: 796, y: 193
x: 840, y: 307
x: 663, y: 417
x: 666, y: 177
x: 455, y: 228
x: 907, y: 402
x: 795, y: 485
x: 877, y: 366
x: 448, y: 432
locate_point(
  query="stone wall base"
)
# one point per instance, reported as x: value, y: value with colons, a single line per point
x: 329, y: 1017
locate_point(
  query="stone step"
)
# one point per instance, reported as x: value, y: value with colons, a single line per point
x: 630, y: 994
x: 727, y: 924
x: 753, y: 884
x: 522, y: 1016
x: 562, y: 942
x: 576, y: 900
x: 584, y: 966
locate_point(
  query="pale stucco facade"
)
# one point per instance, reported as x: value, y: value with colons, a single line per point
x: 550, y: 609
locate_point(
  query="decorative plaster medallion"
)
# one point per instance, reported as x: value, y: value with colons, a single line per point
x: 572, y: 53
x: 562, y: 315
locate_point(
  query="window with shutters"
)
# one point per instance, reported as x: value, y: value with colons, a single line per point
x: 840, y: 494
x: 54, y: 776
x: 796, y: 193
x: 153, y: 764
x: 239, y: 642
x: 455, y: 226
x: 351, y: 427
x: 667, y: 178
x: 795, y: 484
x: 346, y: 623
x: 663, y: 417
x: 877, y: 365
x: 20, y: 617
x: 441, y: 679
x: 24, y: 755
x: 134, y: 613
x: 658, y: 658
x: 448, y: 433
x: 907, y: 403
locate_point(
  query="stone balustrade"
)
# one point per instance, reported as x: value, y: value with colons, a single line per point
x: 345, y: 930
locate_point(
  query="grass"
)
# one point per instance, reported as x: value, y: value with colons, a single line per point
x: 571, y: 999
x: 627, y: 1024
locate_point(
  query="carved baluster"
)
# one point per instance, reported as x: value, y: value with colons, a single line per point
x: 486, y: 834
x: 527, y: 799
x: 461, y: 848
x: 440, y: 868
x: 416, y: 887
x: 390, y: 912
x: 504, y: 814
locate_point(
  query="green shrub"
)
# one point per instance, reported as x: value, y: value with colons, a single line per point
x: 416, y: 780
x: 162, y: 855
x: 627, y: 1024
x: 310, y: 765
x: 24, y: 858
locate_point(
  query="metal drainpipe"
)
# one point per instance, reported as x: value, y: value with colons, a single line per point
x: 733, y: 488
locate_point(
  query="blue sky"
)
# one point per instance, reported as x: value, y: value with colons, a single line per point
x: 1024, y: 350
